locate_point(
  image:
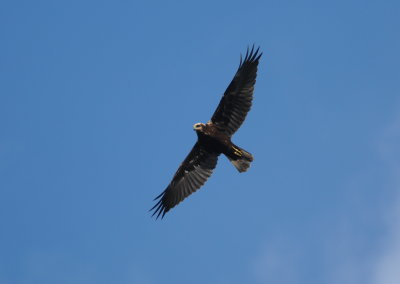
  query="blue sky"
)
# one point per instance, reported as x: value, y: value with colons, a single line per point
x: 97, y: 103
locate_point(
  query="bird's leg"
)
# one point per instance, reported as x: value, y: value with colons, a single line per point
x: 237, y: 151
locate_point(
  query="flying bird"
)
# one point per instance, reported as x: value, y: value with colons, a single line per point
x: 214, y: 138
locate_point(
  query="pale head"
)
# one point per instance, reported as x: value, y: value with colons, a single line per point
x: 198, y: 126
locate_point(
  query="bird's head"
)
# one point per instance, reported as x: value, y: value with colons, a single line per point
x: 198, y: 127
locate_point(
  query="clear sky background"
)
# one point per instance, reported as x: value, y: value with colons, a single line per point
x: 97, y: 103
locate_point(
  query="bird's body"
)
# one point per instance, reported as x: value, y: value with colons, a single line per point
x: 214, y: 138
x: 219, y: 142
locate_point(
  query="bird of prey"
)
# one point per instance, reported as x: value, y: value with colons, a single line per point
x: 214, y: 138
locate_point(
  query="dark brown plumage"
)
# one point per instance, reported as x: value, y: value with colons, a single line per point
x: 214, y: 138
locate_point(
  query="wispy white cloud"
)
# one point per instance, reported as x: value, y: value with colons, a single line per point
x: 351, y: 260
x: 349, y: 255
x: 386, y: 269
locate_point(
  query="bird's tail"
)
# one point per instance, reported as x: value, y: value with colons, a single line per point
x: 241, y: 159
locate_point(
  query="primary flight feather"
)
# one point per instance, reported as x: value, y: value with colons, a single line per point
x: 214, y: 138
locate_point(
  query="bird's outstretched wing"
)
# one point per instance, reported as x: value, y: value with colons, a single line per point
x: 191, y: 175
x: 237, y: 99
